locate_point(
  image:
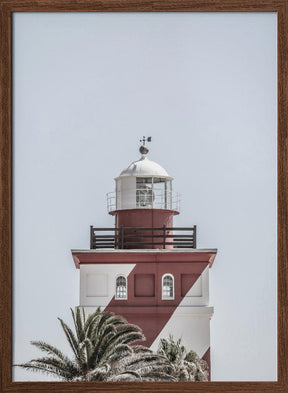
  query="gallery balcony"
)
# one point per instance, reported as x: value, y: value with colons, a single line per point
x: 142, y: 238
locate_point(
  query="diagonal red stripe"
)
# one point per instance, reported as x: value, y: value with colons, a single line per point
x: 152, y: 313
x: 206, y: 357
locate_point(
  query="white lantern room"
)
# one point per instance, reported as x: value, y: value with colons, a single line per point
x: 144, y: 184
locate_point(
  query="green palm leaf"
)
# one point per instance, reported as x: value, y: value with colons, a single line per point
x: 186, y: 366
x: 52, y: 365
x: 49, y: 349
x: 125, y: 376
x: 71, y: 338
x: 46, y: 369
x: 78, y: 324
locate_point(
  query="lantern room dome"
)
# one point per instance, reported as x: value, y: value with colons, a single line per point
x: 144, y: 167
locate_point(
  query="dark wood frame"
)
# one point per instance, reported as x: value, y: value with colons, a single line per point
x: 7, y: 8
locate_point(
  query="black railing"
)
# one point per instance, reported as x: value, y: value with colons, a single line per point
x: 130, y: 237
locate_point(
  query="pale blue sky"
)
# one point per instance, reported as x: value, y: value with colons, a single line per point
x: 87, y: 87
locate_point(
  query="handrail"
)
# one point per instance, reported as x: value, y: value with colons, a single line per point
x: 138, y: 237
x: 161, y: 200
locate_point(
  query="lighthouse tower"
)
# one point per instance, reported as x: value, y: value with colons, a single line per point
x: 144, y: 268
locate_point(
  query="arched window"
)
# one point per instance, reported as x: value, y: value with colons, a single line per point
x: 121, y: 287
x: 167, y: 287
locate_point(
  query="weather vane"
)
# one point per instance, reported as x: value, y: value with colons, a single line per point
x: 143, y: 149
x: 149, y: 139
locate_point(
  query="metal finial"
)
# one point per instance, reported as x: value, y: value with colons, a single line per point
x: 143, y: 149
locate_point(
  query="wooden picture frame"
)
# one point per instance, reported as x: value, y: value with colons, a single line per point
x: 7, y: 9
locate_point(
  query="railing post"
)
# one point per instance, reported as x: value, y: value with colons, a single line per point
x: 194, y: 237
x: 107, y: 201
x: 122, y: 237
x: 164, y: 236
x: 91, y: 237
x: 165, y: 195
x: 115, y: 238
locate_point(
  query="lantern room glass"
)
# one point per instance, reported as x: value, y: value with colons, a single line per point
x: 153, y: 192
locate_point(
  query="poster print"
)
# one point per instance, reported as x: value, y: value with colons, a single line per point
x: 84, y: 97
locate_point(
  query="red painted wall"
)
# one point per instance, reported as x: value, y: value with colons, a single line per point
x: 143, y: 256
x: 207, y: 359
x: 155, y: 312
x: 145, y: 218
x: 154, y: 272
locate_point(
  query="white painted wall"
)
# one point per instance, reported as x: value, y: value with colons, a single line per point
x: 198, y: 295
x: 97, y: 282
x: 192, y: 324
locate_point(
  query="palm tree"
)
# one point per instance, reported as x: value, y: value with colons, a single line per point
x: 102, y: 351
x: 142, y: 364
x: 186, y: 366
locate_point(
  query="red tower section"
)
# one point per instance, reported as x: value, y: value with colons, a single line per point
x: 145, y: 228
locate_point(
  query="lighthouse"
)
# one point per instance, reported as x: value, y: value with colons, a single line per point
x: 144, y: 268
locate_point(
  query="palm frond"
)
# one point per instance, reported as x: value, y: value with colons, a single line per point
x: 78, y: 324
x: 101, y: 344
x: 83, y: 316
x: 43, y: 368
x: 71, y: 338
x: 49, y: 349
x: 141, y: 349
x: 53, y: 351
x: 91, y: 321
x: 87, y: 344
x: 187, y: 366
x: 126, y: 376
x: 117, y: 353
x: 159, y: 377
x: 99, y: 373
x: 51, y: 365
x: 127, y: 334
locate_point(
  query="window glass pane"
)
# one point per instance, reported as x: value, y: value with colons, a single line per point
x: 121, y: 287
x: 159, y: 180
x: 167, y: 288
x: 143, y: 180
x: 144, y: 192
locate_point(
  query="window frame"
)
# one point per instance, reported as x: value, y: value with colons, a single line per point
x: 126, y: 282
x: 162, y: 286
